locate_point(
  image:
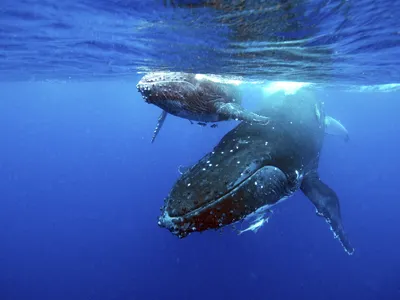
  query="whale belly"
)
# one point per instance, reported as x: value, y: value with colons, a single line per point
x: 179, y: 109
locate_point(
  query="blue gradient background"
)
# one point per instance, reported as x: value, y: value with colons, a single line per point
x: 81, y: 187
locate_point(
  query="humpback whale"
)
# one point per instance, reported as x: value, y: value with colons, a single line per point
x: 194, y: 98
x: 255, y: 167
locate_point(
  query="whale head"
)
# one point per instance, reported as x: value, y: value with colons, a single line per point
x: 175, y: 92
x: 225, y: 186
x: 157, y: 87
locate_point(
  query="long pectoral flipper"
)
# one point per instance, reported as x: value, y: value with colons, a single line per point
x: 235, y: 111
x: 327, y: 205
x: 160, y: 123
x: 334, y: 127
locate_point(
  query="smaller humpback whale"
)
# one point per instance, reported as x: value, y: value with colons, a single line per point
x: 253, y: 168
x: 194, y: 98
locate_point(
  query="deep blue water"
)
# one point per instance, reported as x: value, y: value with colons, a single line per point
x: 81, y: 188
x: 81, y: 185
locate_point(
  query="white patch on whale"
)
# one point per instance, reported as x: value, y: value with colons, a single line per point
x: 257, y: 219
x: 288, y: 87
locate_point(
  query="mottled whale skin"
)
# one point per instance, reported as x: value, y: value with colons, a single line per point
x: 255, y: 167
x: 194, y: 97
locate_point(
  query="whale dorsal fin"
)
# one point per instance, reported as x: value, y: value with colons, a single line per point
x: 160, y: 123
x: 327, y: 204
x: 235, y: 111
x: 334, y: 127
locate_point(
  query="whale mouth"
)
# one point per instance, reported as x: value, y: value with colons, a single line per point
x: 227, y: 208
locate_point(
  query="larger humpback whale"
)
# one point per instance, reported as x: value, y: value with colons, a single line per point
x: 194, y: 97
x: 256, y: 167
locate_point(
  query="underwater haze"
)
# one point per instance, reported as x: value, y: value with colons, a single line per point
x: 81, y: 184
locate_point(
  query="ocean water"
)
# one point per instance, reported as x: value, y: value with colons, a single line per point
x: 81, y: 185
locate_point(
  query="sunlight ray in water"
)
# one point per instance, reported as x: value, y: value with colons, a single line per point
x: 291, y: 87
x: 391, y: 87
x: 288, y: 87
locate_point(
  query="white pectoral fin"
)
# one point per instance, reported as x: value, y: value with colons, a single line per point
x: 160, y: 123
x: 334, y: 127
x: 235, y: 111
